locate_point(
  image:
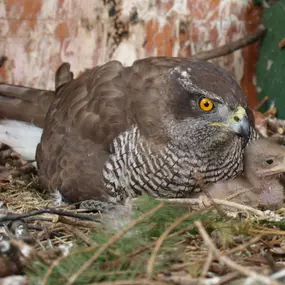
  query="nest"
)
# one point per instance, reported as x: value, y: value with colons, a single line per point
x: 163, y: 243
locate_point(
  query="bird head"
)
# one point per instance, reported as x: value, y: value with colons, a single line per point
x: 264, y: 159
x: 207, y: 103
x: 263, y: 167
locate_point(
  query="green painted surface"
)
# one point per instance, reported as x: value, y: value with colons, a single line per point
x: 271, y: 63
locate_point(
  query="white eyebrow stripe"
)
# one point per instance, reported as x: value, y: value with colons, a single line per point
x: 188, y: 85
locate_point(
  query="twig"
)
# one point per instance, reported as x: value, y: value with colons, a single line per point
x: 161, y: 239
x: 207, y: 264
x: 13, y: 217
x: 78, y: 223
x: 229, y: 277
x: 261, y: 103
x: 230, y: 263
x: 245, y: 245
x: 270, y: 112
x: 268, y: 232
x: 132, y: 282
x: 229, y: 48
x: 217, y: 201
x: 238, y: 193
x: 112, y: 240
x: 201, y: 182
x: 278, y: 275
x: 185, y: 280
x: 79, y: 234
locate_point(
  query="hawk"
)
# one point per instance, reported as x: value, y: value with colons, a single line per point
x: 160, y: 126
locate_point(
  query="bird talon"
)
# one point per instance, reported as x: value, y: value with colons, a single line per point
x: 204, y: 202
x: 95, y: 205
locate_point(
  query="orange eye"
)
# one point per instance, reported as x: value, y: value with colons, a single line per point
x: 206, y: 104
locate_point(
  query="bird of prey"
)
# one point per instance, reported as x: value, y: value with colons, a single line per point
x: 264, y: 164
x: 156, y: 127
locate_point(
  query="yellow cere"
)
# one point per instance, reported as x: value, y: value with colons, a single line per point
x: 206, y: 104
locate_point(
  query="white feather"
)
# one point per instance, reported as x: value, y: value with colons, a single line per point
x: 22, y: 137
x: 57, y: 198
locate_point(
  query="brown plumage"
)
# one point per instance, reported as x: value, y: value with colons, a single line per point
x: 121, y: 131
x: 263, y: 166
x: 28, y: 104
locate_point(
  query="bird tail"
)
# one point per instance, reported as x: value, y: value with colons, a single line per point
x: 23, y: 111
x: 22, y: 114
x: 24, y: 104
x: 28, y: 104
x: 22, y: 137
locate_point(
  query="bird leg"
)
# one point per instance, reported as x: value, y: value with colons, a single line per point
x: 114, y: 216
x: 95, y: 205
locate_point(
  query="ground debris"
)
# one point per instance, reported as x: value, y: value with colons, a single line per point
x: 268, y: 125
x: 164, y: 243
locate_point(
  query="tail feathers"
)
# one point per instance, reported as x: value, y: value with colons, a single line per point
x: 29, y: 104
x: 25, y: 104
x: 22, y: 137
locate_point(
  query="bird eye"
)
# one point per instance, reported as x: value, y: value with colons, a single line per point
x: 206, y: 104
x: 269, y: 161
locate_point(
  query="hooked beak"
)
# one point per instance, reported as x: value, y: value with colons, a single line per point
x: 239, y: 123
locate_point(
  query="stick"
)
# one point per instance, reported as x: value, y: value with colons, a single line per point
x: 217, y: 201
x: 245, y: 245
x: 132, y: 282
x: 261, y: 103
x: 230, y: 263
x: 78, y: 223
x: 229, y: 48
x: 207, y: 264
x: 13, y: 217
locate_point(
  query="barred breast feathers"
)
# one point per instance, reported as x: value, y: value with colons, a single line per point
x: 133, y: 169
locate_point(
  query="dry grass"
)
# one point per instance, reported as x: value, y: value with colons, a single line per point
x: 221, y: 250
x: 163, y: 244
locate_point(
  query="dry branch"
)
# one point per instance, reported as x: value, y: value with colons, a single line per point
x: 133, y: 282
x: 13, y: 217
x: 230, y: 263
x: 229, y: 48
x: 226, y: 203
